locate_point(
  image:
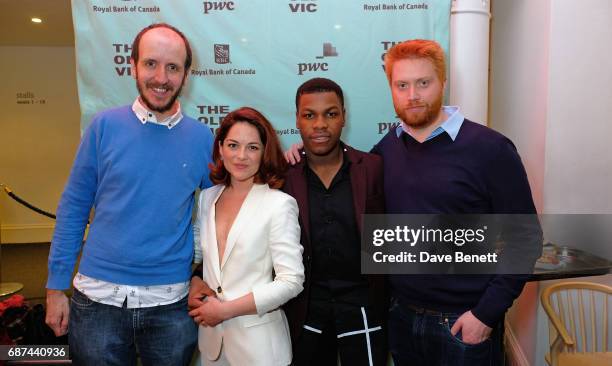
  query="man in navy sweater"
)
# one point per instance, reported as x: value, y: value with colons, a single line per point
x: 438, y: 162
x: 138, y: 166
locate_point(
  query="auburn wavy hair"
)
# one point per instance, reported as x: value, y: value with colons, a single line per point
x: 273, y: 165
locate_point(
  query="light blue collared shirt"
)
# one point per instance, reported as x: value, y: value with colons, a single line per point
x: 451, y: 125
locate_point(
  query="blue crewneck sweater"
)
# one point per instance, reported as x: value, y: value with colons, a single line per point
x: 479, y: 172
x: 140, y: 180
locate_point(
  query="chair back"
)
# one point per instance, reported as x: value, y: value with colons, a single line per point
x: 578, y: 321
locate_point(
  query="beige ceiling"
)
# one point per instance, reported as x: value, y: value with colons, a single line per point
x: 16, y: 29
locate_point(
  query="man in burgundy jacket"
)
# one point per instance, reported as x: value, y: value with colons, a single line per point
x: 340, y: 310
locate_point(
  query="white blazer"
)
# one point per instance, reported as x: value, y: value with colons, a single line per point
x: 264, y: 237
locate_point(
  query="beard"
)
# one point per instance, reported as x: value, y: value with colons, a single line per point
x: 423, y: 119
x: 165, y: 107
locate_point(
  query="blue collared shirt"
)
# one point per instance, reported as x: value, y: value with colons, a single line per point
x: 451, y: 126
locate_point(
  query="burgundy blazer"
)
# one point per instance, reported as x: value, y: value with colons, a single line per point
x: 366, y: 171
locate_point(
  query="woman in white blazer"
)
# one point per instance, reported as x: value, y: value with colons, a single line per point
x: 250, y: 239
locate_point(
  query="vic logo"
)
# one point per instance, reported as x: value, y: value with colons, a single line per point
x: 303, y: 6
x: 122, y: 59
x: 218, y: 5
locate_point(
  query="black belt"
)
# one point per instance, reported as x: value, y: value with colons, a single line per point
x: 421, y: 310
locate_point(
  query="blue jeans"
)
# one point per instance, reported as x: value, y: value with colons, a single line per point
x: 424, y: 338
x: 102, y: 334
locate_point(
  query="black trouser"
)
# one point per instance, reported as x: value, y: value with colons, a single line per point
x: 334, y: 329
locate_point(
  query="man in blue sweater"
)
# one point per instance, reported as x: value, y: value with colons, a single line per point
x: 138, y: 166
x: 438, y: 162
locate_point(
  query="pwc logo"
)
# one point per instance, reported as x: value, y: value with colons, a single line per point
x: 328, y: 51
x: 218, y: 6
x: 303, y: 6
x: 384, y: 127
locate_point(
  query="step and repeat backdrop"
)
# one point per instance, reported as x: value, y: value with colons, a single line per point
x: 256, y: 53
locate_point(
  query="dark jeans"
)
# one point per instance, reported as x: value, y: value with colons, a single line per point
x: 422, y: 338
x: 102, y: 334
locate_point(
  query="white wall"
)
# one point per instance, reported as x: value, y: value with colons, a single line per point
x: 578, y: 168
x: 551, y: 94
x: 518, y: 108
x: 519, y: 81
x: 578, y: 157
x: 578, y: 177
x: 37, y: 141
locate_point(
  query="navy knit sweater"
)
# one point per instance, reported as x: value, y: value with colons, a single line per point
x: 479, y: 172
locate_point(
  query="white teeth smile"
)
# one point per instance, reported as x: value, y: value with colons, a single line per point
x: 160, y: 90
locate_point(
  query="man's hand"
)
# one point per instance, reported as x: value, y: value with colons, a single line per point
x: 293, y: 154
x: 211, y: 313
x: 197, y: 290
x: 57, y: 312
x: 473, y: 331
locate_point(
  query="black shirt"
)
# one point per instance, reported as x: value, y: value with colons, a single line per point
x: 335, y: 239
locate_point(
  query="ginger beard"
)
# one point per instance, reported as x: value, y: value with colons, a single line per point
x: 420, y: 114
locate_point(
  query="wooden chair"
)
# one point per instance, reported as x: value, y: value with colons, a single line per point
x: 578, y: 323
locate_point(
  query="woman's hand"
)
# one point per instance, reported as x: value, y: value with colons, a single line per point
x: 210, y: 313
